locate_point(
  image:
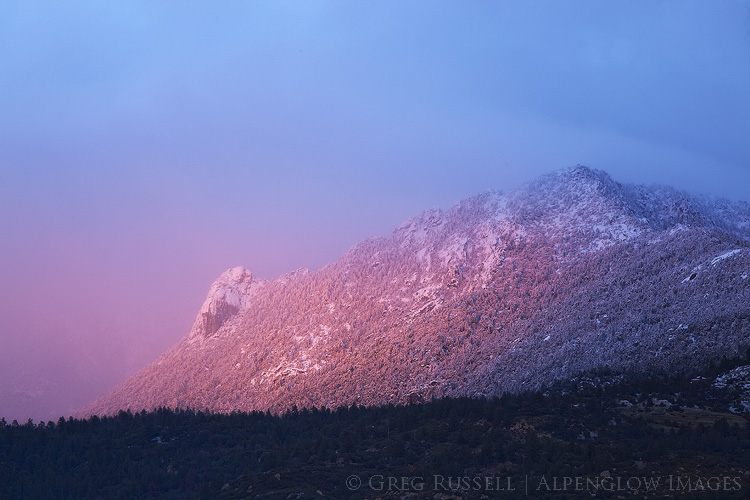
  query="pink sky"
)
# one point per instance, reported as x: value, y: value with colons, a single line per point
x: 143, y: 151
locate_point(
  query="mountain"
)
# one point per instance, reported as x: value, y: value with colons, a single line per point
x: 503, y: 292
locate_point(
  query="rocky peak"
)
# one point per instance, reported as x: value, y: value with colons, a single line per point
x: 580, y: 180
x: 227, y: 297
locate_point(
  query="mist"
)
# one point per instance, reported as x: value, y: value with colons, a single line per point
x: 146, y: 149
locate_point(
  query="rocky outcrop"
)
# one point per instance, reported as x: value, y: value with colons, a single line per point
x: 227, y: 298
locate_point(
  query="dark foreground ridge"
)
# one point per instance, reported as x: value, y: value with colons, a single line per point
x: 598, y: 435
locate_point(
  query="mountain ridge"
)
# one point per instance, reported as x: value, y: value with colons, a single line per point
x: 501, y: 292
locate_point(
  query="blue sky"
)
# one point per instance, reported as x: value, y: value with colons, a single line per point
x: 147, y: 146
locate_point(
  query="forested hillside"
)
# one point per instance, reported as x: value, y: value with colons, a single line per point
x: 662, y: 438
x: 503, y: 292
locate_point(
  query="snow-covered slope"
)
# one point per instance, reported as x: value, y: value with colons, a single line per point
x: 502, y: 292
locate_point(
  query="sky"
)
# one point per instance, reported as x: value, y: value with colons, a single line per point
x: 147, y: 146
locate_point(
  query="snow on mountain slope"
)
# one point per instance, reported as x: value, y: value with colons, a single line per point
x: 502, y: 292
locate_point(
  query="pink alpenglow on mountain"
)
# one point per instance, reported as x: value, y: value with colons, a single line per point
x: 503, y: 292
x: 228, y: 298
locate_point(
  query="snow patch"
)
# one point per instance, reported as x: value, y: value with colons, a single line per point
x: 725, y: 256
x: 287, y: 369
x: 422, y: 254
x: 456, y: 249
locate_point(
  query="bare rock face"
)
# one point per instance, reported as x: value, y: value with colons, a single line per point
x: 228, y: 297
x: 502, y: 292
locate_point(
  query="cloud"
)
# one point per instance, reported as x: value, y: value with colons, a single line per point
x: 155, y: 145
